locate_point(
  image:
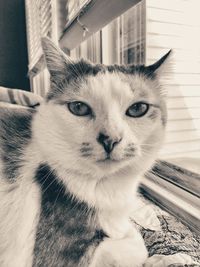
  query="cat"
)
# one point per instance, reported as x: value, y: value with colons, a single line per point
x: 70, y: 169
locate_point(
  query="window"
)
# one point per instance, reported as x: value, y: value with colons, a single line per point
x: 122, y: 41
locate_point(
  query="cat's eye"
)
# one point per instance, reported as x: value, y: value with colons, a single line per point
x: 79, y: 108
x: 137, y: 110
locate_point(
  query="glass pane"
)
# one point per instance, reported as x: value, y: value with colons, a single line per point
x: 111, y: 42
x: 89, y: 49
x: 122, y: 41
x: 132, y: 35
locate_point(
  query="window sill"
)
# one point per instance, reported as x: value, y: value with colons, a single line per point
x: 176, y: 190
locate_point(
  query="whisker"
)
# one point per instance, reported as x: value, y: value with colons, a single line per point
x: 60, y: 191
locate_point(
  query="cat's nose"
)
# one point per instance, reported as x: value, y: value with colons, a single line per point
x: 107, y: 142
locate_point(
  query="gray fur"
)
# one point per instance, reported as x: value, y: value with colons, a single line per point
x: 15, y: 134
x: 67, y: 231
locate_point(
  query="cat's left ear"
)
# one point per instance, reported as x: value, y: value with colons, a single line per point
x: 160, y: 66
x: 56, y: 60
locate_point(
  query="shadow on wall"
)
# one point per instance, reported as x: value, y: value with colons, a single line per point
x: 13, y: 50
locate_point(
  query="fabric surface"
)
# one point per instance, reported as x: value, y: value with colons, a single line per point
x: 19, y: 97
x: 169, y: 242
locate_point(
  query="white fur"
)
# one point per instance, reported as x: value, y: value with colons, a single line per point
x: 19, y: 213
x: 127, y: 252
x: 100, y: 183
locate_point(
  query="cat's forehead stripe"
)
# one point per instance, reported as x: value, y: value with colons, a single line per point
x: 120, y: 79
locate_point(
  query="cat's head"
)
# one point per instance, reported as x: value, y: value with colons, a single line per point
x: 101, y: 119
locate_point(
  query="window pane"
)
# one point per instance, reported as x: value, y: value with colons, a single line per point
x: 122, y: 41
x: 89, y: 49
x: 132, y: 35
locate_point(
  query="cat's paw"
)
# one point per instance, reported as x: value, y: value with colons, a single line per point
x: 127, y: 252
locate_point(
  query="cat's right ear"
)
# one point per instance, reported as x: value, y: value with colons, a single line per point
x: 162, y: 65
x: 56, y: 60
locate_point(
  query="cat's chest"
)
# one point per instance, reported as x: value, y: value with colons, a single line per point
x: 66, y: 230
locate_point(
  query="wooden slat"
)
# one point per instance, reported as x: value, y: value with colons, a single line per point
x: 154, y: 27
x: 168, y: 42
x: 191, y: 154
x: 181, y: 147
x: 162, y: 15
x: 180, y: 136
x: 183, y: 102
x: 183, y: 125
x: 181, y: 114
x: 185, y: 79
x: 182, y: 58
x: 173, y: 5
x: 183, y: 90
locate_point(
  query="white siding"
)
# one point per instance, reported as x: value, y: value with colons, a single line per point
x: 176, y: 24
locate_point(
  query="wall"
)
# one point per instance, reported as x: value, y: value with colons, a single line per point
x: 176, y: 24
x: 13, y: 52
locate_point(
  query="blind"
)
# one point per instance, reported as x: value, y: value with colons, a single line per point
x: 39, y: 23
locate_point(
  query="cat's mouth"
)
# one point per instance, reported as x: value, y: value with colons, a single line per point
x: 108, y: 159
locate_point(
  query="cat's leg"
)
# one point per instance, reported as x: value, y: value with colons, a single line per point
x: 126, y: 252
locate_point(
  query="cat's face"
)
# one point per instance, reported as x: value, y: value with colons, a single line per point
x: 101, y: 119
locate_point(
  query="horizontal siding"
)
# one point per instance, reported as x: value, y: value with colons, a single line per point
x: 164, y: 5
x: 179, y: 125
x: 179, y: 102
x: 168, y: 27
x: 183, y: 113
x: 176, y: 30
x: 192, y: 154
x: 186, y: 146
x: 185, y: 79
x: 185, y: 59
x: 167, y: 41
x: 183, y: 136
x: 183, y: 90
x: 174, y: 16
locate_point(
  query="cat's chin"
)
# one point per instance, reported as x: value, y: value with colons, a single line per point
x: 111, y: 166
x: 108, y: 161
